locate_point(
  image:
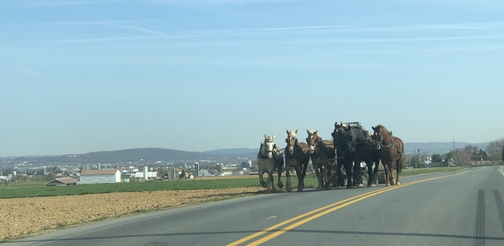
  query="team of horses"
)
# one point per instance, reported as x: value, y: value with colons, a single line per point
x: 351, y: 145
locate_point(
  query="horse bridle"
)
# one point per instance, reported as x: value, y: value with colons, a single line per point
x: 295, y: 147
x: 317, y: 141
x: 263, y: 149
x: 391, y: 141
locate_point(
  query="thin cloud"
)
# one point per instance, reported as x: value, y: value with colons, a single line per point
x: 65, y: 3
x: 114, y: 24
x: 218, y: 2
x: 272, y: 42
x: 140, y: 29
x: 274, y: 30
x: 31, y: 72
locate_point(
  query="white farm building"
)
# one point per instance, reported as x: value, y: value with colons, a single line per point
x: 100, y: 176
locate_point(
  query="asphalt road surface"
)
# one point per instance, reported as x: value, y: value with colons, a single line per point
x: 461, y: 208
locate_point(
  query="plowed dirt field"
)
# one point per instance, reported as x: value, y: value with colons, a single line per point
x: 28, y: 216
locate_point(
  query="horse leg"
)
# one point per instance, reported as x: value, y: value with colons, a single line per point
x: 339, y: 174
x: 288, y: 186
x: 370, y: 180
x: 299, y: 173
x: 392, y: 178
x: 261, y: 180
x: 357, y: 174
x: 271, y: 182
x: 279, y: 172
x: 317, y: 168
x: 327, y: 175
x: 375, y: 172
x: 302, y: 169
x: 387, y: 173
x: 399, y: 169
x: 348, y: 168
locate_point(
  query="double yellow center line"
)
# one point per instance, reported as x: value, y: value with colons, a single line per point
x: 309, y: 216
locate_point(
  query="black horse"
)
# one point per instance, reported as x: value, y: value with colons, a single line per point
x: 354, y: 145
x: 368, y: 152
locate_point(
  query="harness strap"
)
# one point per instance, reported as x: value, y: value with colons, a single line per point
x: 391, y: 143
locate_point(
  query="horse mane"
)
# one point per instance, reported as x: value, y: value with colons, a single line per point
x: 382, y: 128
x: 261, y: 155
x: 328, y: 143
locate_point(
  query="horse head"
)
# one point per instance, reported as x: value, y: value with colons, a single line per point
x: 291, y: 140
x: 382, y: 137
x: 339, y: 135
x: 268, y: 145
x: 312, y: 140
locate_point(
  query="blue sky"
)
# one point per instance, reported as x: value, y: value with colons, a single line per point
x: 80, y: 76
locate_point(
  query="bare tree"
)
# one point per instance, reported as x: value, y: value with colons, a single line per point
x: 494, y: 149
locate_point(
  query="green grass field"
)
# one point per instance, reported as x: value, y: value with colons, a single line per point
x: 38, y: 188
x: 409, y: 172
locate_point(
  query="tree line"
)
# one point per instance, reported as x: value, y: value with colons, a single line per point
x: 464, y: 156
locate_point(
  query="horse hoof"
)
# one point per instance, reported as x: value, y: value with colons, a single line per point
x: 398, y: 183
x: 280, y: 186
x: 361, y: 185
x: 373, y: 185
x: 289, y: 189
x: 319, y: 188
x: 387, y: 185
x: 300, y: 189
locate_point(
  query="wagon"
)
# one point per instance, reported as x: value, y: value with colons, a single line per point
x: 334, y: 176
x: 380, y: 175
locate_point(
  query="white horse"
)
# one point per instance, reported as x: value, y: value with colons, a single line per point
x: 270, y: 158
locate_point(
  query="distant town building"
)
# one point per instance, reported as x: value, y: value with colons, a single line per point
x: 100, y: 176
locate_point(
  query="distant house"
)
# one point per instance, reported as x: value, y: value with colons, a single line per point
x: 150, y: 175
x: 100, y: 176
x: 204, y: 173
x: 62, y: 182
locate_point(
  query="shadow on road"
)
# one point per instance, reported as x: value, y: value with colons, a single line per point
x: 338, y: 232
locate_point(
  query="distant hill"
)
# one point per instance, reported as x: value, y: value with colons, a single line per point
x: 219, y: 155
x: 439, y: 147
x: 127, y: 155
x: 231, y: 151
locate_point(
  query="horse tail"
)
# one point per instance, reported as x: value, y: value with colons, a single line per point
x: 400, y: 153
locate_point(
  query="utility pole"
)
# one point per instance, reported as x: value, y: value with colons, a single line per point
x: 414, y: 156
x: 455, y: 153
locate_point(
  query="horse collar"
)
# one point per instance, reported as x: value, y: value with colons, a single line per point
x: 390, y: 144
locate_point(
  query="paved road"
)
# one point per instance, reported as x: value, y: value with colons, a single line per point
x: 463, y: 208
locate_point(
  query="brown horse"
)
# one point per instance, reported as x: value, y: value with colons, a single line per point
x: 391, y: 151
x: 322, y: 156
x: 297, y: 156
